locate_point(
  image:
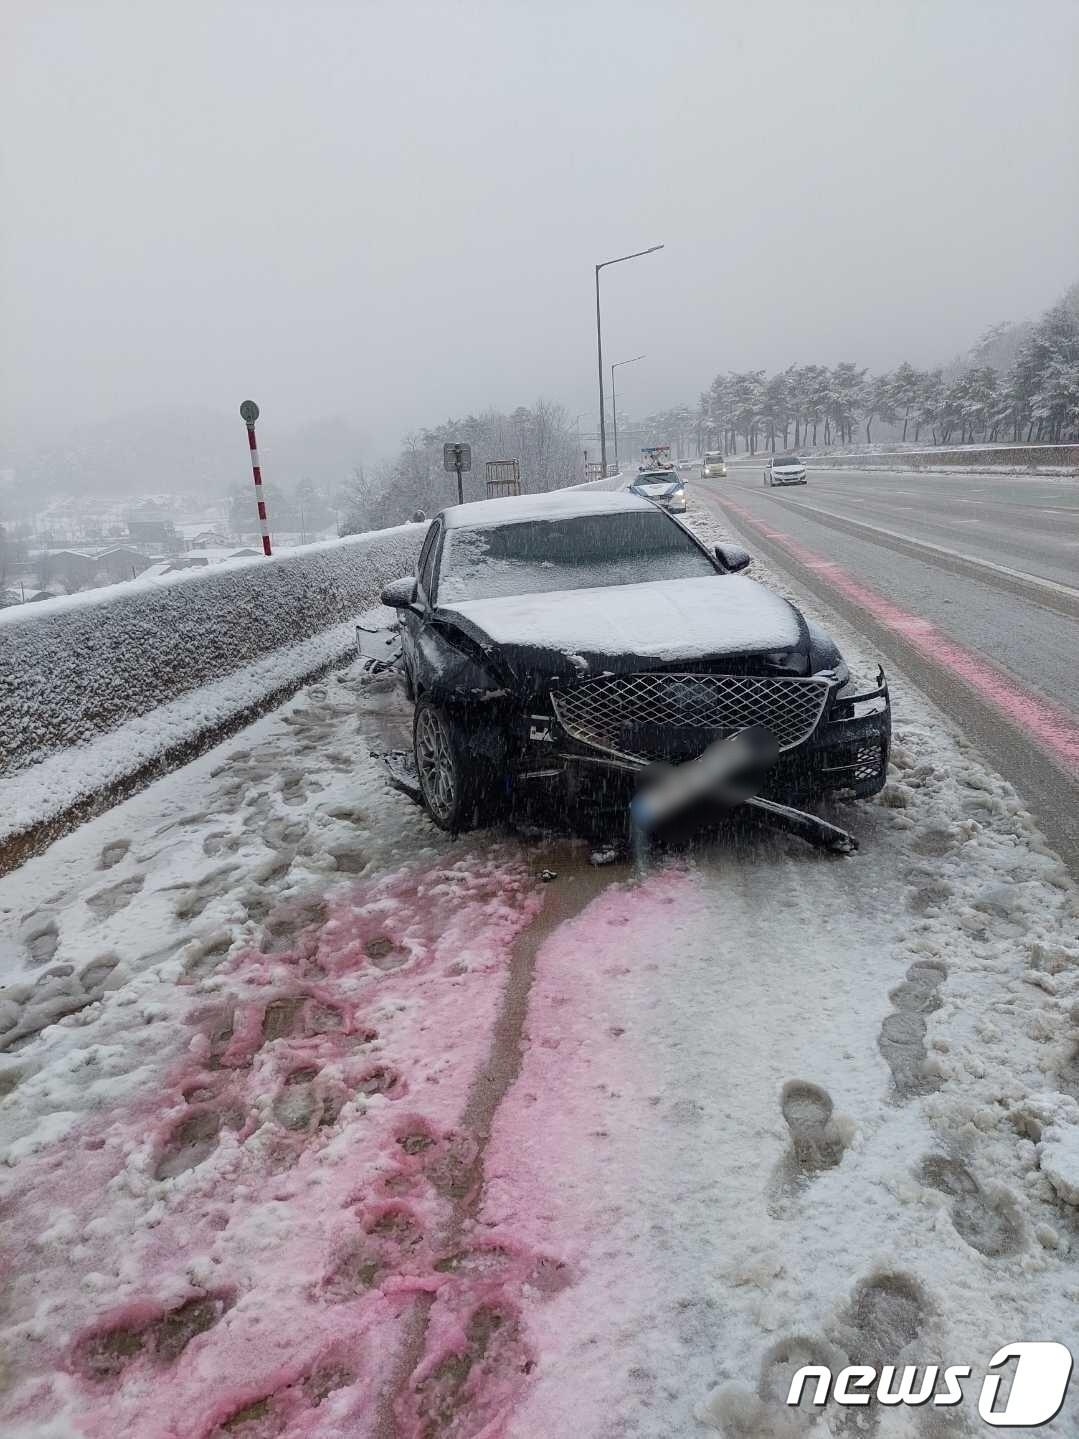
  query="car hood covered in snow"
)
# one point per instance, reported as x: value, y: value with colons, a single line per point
x: 663, y: 621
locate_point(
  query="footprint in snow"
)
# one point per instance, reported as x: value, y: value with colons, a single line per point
x: 989, y: 1225
x: 902, y: 1033
x: 195, y: 898
x: 887, y: 1313
x: 190, y: 1142
x: 303, y: 1104
x: 41, y: 938
x: 288, y: 1409
x: 113, y: 853
x: 115, y: 897
x: 390, y: 1241
x: 103, y: 1353
x: 207, y: 954
x: 817, y: 1141
x: 384, y: 954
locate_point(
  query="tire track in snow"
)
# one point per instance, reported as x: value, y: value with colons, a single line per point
x: 466, y: 1361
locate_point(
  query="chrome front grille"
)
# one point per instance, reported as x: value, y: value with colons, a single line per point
x: 635, y: 715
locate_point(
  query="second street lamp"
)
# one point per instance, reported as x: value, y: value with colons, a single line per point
x: 599, y: 344
x: 614, y: 401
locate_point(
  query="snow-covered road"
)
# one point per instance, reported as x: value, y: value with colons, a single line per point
x: 316, y: 1123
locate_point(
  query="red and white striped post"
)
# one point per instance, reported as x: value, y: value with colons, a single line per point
x: 249, y: 413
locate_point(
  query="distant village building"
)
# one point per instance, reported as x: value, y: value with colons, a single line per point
x: 122, y: 563
x: 162, y: 534
x: 65, y: 569
x: 72, y: 570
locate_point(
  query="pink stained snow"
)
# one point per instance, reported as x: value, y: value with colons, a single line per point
x: 237, y: 1251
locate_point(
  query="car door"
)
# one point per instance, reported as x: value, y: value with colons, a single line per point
x: 415, y: 619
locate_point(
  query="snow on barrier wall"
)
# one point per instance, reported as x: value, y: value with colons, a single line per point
x: 80, y: 666
x: 1050, y: 458
x: 1026, y: 457
x: 612, y: 482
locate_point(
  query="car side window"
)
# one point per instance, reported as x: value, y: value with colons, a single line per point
x: 425, y: 571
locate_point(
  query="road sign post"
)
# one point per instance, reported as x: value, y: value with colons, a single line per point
x: 249, y: 413
x: 457, y: 457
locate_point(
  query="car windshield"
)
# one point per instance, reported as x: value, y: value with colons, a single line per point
x: 538, y: 556
x: 787, y: 460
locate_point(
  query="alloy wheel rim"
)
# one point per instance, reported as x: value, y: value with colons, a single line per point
x: 434, y: 760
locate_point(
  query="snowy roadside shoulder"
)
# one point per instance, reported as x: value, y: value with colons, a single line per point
x: 229, y: 1171
x: 43, y: 792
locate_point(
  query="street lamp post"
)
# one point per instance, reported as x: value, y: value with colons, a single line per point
x: 614, y: 402
x: 599, y: 344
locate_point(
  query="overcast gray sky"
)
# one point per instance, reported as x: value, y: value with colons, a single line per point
x: 390, y: 211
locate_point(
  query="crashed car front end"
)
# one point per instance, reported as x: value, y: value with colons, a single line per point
x: 831, y: 735
x: 592, y: 725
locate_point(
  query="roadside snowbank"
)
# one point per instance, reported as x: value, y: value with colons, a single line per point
x: 75, y: 667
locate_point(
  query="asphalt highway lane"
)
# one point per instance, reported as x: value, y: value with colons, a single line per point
x: 969, y: 583
x: 1025, y: 523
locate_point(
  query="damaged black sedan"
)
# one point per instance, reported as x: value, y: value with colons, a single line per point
x: 576, y: 639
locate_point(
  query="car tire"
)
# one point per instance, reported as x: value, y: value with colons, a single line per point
x: 457, y: 785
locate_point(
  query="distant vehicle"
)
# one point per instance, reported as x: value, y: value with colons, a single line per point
x: 666, y: 488
x: 714, y: 466
x: 658, y: 480
x: 785, y: 470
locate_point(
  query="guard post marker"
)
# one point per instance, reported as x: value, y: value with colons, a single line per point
x: 249, y: 413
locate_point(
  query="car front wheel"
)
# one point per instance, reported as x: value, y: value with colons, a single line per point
x: 457, y: 786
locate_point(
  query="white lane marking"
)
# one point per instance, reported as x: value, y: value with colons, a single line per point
x: 1069, y: 590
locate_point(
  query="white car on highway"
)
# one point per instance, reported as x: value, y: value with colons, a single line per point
x: 785, y: 470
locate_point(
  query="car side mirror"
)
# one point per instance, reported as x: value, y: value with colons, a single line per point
x: 732, y: 557
x: 400, y: 594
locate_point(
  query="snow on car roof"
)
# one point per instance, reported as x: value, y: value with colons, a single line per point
x: 555, y: 505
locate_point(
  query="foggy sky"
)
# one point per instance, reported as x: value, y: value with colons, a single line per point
x: 390, y: 211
